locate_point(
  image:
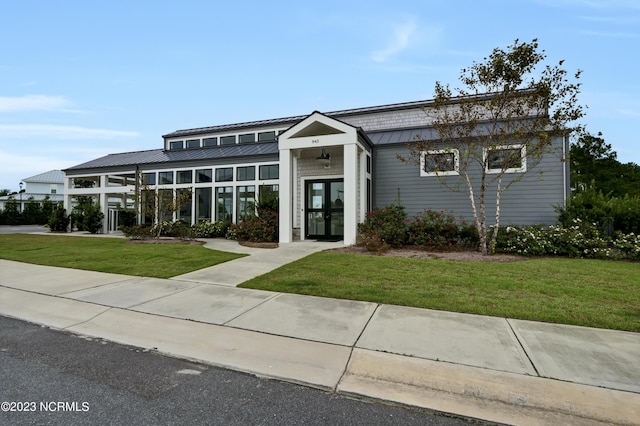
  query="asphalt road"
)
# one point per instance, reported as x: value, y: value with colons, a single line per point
x: 53, y: 377
x: 21, y: 229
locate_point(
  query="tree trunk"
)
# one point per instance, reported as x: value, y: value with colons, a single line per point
x: 494, y: 234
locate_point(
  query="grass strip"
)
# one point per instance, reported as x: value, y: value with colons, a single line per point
x: 594, y: 293
x: 113, y: 255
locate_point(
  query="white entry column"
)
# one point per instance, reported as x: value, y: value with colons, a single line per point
x: 350, y: 193
x: 286, y: 190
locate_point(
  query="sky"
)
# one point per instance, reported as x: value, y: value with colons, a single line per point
x: 82, y: 79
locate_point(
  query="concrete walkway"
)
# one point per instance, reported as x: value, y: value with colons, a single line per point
x: 496, y: 369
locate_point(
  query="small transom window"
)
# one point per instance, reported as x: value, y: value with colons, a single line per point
x: 440, y: 162
x: 509, y: 158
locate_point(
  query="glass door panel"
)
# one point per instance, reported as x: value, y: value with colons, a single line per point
x: 324, y: 217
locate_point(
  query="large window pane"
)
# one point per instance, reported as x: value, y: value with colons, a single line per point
x: 149, y: 178
x: 148, y: 206
x: 246, y: 202
x: 165, y: 178
x: 165, y: 202
x: 176, y: 145
x: 269, y: 195
x: 183, y: 176
x: 224, y: 202
x: 209, y: 142
x: 224, y: 175
x: 227, y: 140
x: 246, y: 173
x: 270, y: 171
x: 203, y: 175
x: 183, y: 201
x: 266, y: 136
x: 203, y: 204
x: 247, y: 138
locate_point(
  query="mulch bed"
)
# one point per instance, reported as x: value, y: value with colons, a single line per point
x: 164, y: 240
x: 418, y: 253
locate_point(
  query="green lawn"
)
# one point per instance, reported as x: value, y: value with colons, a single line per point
x: 112, y: 255
x: 603, y: 294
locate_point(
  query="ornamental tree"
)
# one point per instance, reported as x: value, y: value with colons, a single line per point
x: 506, y: 113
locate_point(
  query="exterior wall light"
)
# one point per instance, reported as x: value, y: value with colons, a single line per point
x: 325, y: 159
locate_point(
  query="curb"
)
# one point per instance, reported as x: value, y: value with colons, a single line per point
x: 484, y: 394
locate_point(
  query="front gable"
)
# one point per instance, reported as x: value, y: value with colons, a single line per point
x: 317, y: 130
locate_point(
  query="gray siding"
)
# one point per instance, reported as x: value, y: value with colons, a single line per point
x: 529, y: 201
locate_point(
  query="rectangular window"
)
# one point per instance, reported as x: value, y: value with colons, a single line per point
x: 183, y: 176
x: 165, y: 203
x: 149, y: 178
x: 165, y: 178
x: 247, y: 138
x: 209, y: 142
x: 193, y: 143
x: 507, y: 159
x: 224, y: 175
x: 269, y: 194
x: 369, y: 201
x: 203, y: 204
x: 441, y: 162
x: 246, y: 173
x: 224, y: 201
x: 368, y: 164
x: 183, y: 204
x: 266, y: 136
x: 270, y: 171
x: 203, y: 175
x: 246, y: 200
x: 53, y: 189
x: 148, y: 205
x: 176, y: 145
x: 228, y: 140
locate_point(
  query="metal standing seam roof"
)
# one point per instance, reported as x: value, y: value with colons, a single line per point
x: 157, y: 156
x: 297, y: 118
x: 52, y: 176
x: 36, y: 197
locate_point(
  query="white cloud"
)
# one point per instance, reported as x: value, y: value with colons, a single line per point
x: 33, y: 103
x: 26, y: 131
x: 403, y: 36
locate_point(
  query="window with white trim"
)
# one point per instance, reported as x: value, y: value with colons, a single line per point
x: 507, y: 158
x: 439, y: 162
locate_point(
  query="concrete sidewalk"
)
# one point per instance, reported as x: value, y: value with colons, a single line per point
x: 497, y: 369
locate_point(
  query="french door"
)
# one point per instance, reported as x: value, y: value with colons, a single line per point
x: 324, y: 209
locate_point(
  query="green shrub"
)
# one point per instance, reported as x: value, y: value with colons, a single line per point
x: 610, y: 214
x: 92, y: 218
x: 432, y: 229
x: 263, y: 228
x: 137, y: 232
x: 126, y: 218
x: 59, y: 221
x: 628, y: 245
x: 581, y: 239
x: 206, y: 229
x: 371, y: 241
x: 389, y: 223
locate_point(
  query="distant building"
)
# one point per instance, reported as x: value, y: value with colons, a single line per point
x: 37, y: 188
x: 328, y: 170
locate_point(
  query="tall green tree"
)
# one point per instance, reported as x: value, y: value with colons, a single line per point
x: 594, y: 166
x: 510, y: 99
